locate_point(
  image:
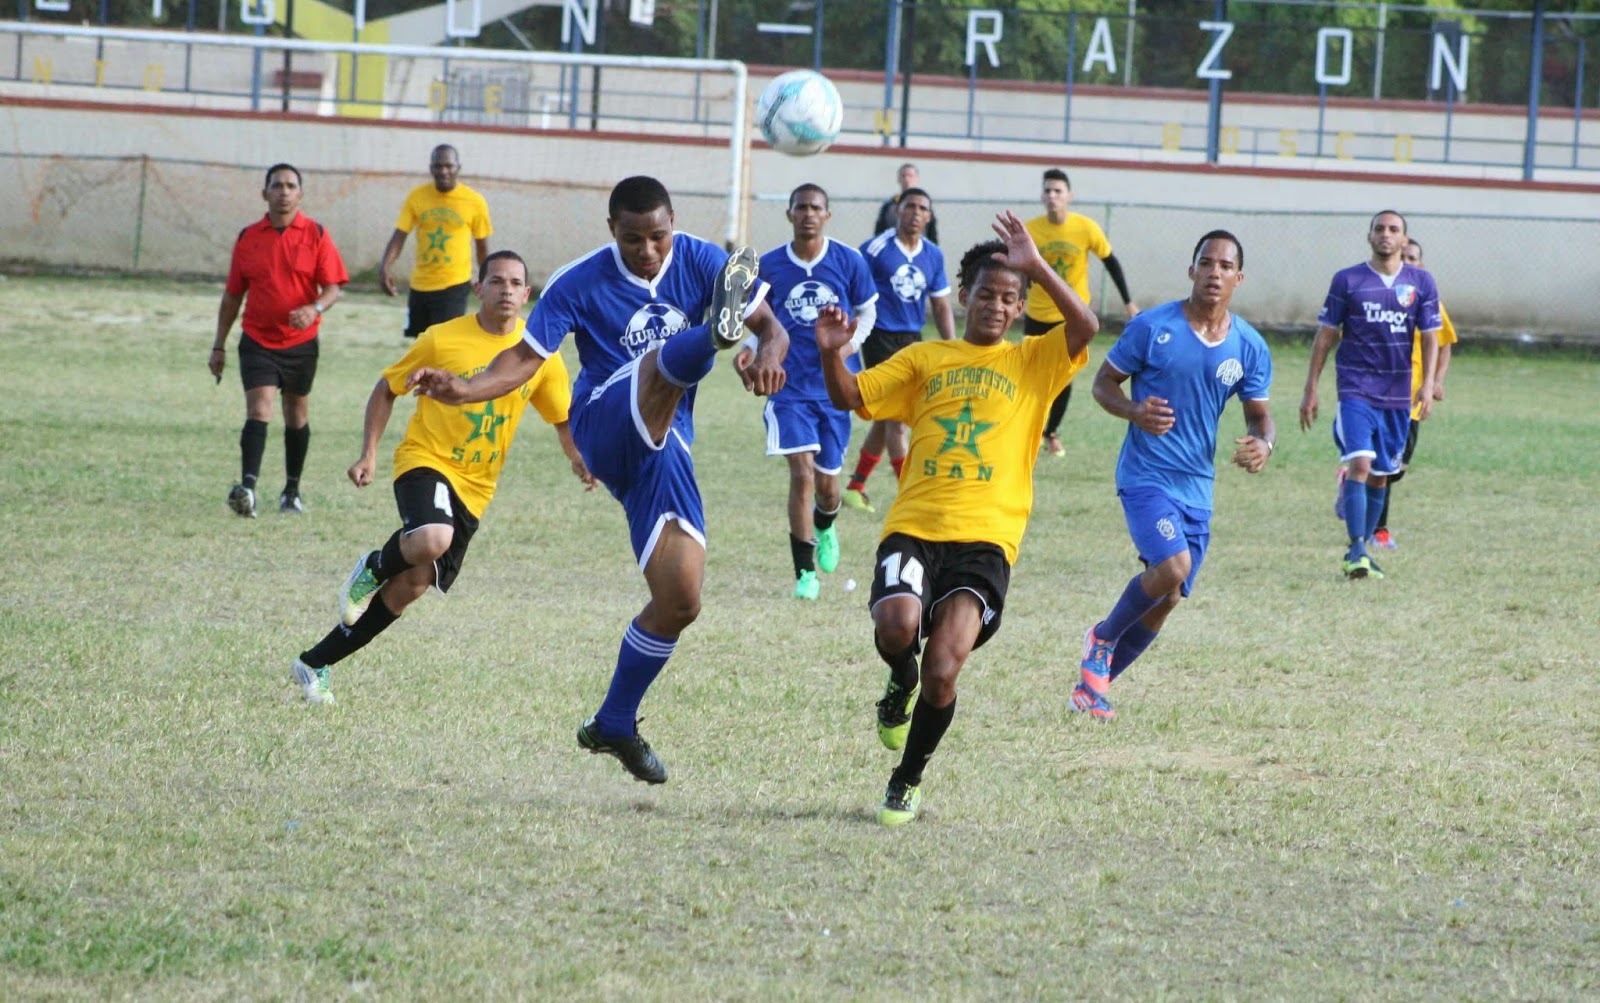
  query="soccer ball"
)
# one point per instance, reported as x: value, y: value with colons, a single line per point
x: 800, y: 113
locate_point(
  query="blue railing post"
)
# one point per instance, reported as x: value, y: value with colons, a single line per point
x: 1535, y: 76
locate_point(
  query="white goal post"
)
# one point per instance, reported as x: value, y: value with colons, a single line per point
x: 735, y: 108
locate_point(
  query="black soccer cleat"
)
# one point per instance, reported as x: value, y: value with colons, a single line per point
x: 735, y: 282
x: 634, y: 753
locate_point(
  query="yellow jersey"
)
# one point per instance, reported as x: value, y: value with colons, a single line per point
x: 446, y: 225
x: 1065, y: 247
x: 468, y: 443
x: 976, y: 415
x: 1447, y: 336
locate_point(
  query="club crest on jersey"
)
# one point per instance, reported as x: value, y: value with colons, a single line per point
x: 807, y: 299
x: 1163, y: 337
x: 652, y: 324
x: 1165, y: 527
x: 1405, y: 294
x: 908, y: 283
x: 1231, y: 371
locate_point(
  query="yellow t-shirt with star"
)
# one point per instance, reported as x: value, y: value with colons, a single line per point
x: 446, y: 225
x: 1447, y: 336
x: 976, y: 415
x: 1065, y: 247
x: 468, y: 443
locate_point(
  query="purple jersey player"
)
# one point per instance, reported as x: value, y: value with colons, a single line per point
x: 1375, y: 306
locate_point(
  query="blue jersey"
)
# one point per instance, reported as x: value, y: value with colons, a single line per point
x: 1378, y: 315
x: 616, y: 316
x: 838, y: 277
x: 905, y: 281
x: 1167, y: 359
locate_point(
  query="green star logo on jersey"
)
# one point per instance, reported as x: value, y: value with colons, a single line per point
x: 437, y: 239
x: 961, y: 432
x: 485, y: 423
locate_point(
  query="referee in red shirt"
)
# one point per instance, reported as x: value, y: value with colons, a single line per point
x: 288, y: 265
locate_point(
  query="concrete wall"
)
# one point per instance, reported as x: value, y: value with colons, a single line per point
x: 1509, y: 256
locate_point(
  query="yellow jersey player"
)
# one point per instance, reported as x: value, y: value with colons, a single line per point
x: 976, y: 407
x: 1412, y: 255
x: 445, y: 469
x: 1065, y: 240
x: 448, y: 216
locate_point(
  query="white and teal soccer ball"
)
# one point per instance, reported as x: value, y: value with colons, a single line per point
x: 800, y: 113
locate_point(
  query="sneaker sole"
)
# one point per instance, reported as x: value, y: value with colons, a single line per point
x: 734, y: 283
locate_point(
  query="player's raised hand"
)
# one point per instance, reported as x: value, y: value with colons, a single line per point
x: 833, y: 329
x: 1153, y: 415
x: 1021, y: 252
x: 443, y: 386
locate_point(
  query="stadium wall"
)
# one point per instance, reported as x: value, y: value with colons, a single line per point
x: 163, y: 190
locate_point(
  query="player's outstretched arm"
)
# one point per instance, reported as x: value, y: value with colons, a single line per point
x: 833, y: 333
x: 1152, y: 414
x: 1023, y: 255
x: 570, y: 448
x: 1326, y: 338
x: 380, y: 405
x: 397, y: 240
x: 1260, y: 433
x: 765, y: 376
x: 510, y: 369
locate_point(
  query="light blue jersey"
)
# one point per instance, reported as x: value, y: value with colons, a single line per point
x: 1167, y: 359
x: 905, y: 281
x: 617, y: 316
x: 838, y: 277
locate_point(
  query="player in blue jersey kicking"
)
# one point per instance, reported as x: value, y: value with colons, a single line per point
x: 634, y: 307
x: 908, y: 269
x: 1375, y: 307
x: 807, y: 274
x: 1185, y: 358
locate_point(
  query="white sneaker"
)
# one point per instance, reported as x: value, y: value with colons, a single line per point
x: 313, y: 683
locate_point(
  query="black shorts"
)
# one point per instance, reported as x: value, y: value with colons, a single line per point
x: 425, y: 309
x: 425, y: 498
x: 1411, y: 444
x: 1032, y: 328
x: 934, y: 571
x: 289, y: 369
x: 882, y: 344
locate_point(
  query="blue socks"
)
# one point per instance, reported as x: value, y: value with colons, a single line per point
x: 686, y: 357
x: 1129, y: 610
x: 1375, y: 498
x: 642, y: 657
x: 1129, y: 647
x: 1355, y: 516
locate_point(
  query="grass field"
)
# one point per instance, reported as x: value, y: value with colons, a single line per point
x: 1314, y: 789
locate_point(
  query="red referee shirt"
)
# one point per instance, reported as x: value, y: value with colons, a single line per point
x: 281, y: 272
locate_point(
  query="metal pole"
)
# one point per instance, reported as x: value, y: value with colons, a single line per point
x: 1322, y: 114
x: 288, y: 57
x: 1072, y: 66
x: 138, y: 220
x: 1214, y: 105
x: 1530, y: 149
x: 1577, y: 106
x: 816, y: 40
x: 1127, y: 45
x: 1377, y: 63
x: 891, y: 59
x: 905, y: 73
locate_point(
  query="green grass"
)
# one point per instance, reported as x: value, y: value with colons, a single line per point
x: 1315, y: 789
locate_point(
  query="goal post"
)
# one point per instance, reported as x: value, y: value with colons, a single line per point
x: 517, y: 91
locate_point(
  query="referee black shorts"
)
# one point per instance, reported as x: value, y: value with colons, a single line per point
x: 289, y: 369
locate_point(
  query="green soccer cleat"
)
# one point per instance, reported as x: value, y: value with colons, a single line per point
x: 1360, y: 567
x: 315, y: 684
x: 828, y: 550
x: 357, y: 592
x: 856, y: 498
x: 807, y: 586
x: 900, y: 804
x: 894, y: 714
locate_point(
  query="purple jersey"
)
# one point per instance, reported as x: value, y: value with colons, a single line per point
x: 1378, y: 315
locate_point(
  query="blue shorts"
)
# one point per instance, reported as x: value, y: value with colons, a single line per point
x: 1162, y: 528
x: 653, y: 481
x: 1359, y: 429
x: 802, y: 426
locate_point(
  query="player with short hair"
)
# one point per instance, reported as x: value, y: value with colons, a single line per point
x: 1185, y: 358
x: 446, y: 468
x: 634, y: 307
x: 286, y: 273
x: 1375, y: 306
x: 908, y: 269
x: 1412, y: 255
x: 807, y: 273
x: 1065, y: 240
x: 908, y: 177
x: 446, y: 215
x: 975, y: 407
